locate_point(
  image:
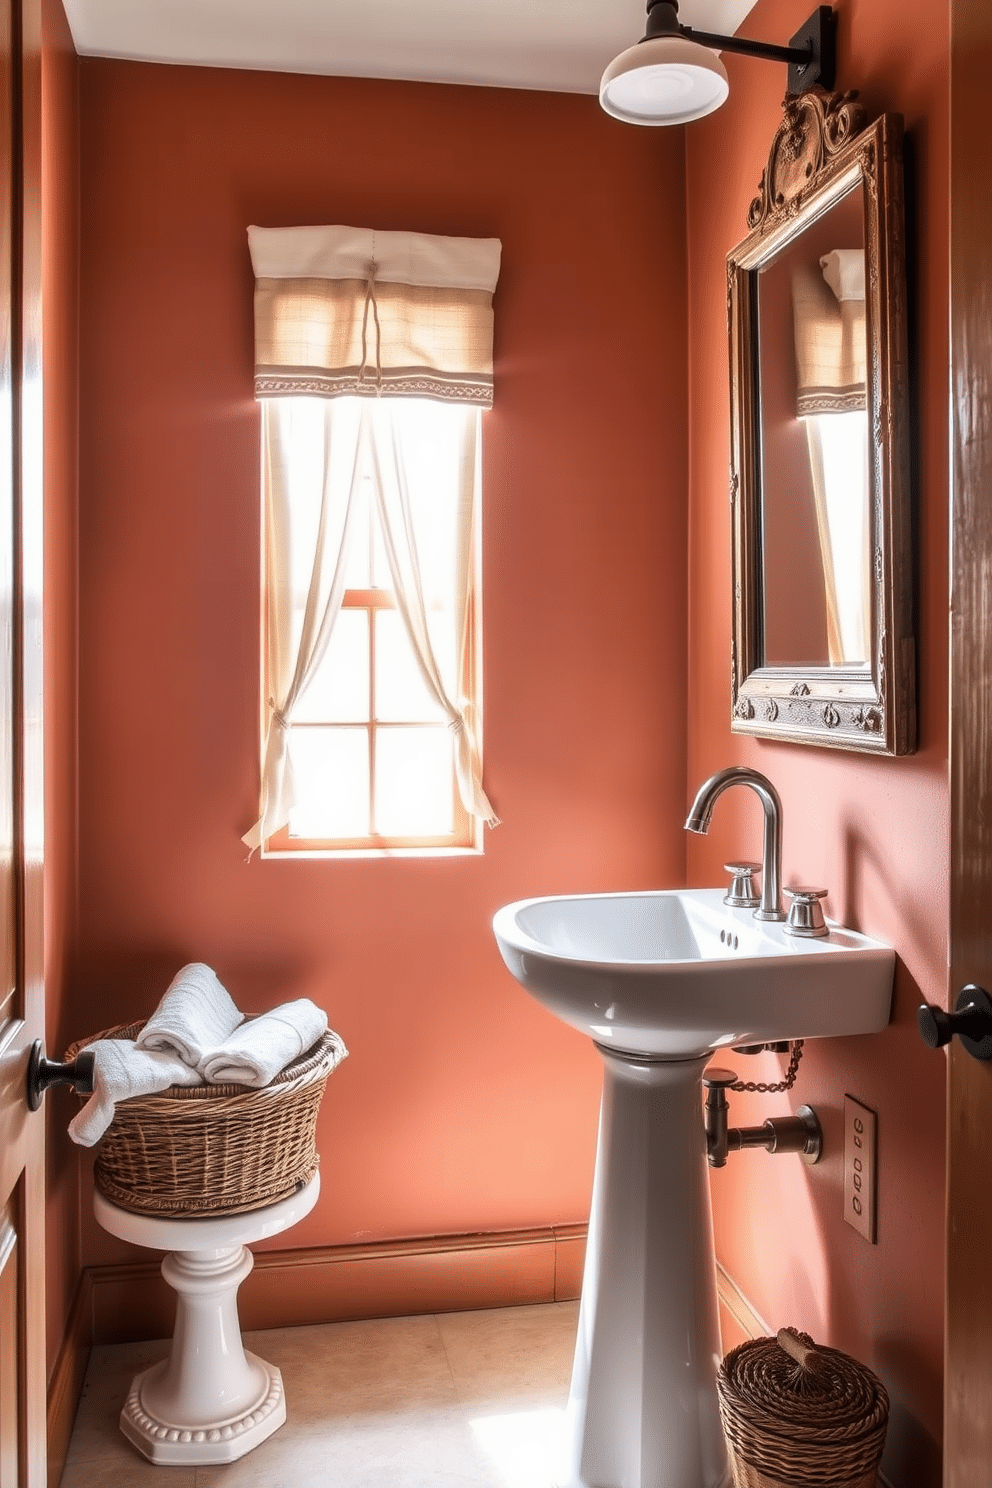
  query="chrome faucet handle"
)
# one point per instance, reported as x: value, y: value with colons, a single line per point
x: 742, y: 894
x: 805, y: 913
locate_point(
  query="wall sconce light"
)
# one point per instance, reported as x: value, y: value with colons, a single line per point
x: 671, y: 76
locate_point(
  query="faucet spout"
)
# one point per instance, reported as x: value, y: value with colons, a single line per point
x: 701, y: 814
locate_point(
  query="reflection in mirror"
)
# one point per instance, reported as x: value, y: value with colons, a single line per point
x: 816, y: 597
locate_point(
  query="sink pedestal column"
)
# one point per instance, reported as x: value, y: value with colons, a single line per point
x: 642, y: 1412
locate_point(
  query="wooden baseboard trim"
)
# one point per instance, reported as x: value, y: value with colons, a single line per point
x: 391, y: 1278
x: 66, y: 1383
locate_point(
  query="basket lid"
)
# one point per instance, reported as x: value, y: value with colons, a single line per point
x: 788, y: 1383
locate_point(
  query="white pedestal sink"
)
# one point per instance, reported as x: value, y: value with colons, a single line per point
x: 660, y: 981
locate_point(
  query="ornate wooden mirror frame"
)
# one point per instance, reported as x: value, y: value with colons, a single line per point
x: 822, y: 152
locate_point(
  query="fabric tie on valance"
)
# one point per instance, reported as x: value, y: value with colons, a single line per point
x: 346, y: 311
x: 828, y: 302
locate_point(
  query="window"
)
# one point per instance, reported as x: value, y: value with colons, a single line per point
x: 373, y: 362
x: 371, y: 747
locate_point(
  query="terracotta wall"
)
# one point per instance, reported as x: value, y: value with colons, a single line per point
x: 463, y: 1106
x: 873, y: 831
x: 60, y: 231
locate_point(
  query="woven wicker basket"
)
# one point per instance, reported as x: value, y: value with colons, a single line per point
x: 208, y: 1150
x: 797, y: 1415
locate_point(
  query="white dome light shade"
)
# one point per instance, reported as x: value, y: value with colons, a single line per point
x: 666, y: 80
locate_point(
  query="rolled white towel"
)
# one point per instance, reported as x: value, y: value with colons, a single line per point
x: 196, y: 1015
x: 257, y: 1051
x: 121, y: 1071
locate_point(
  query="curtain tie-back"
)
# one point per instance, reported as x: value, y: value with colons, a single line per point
x: 457, y: 725
x: 370, y: 301
x: 278, y: 715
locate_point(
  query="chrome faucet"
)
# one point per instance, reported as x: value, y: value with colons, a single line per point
x: 701, y: 812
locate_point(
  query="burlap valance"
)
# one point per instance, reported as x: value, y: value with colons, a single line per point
x: 828, y: 301
x: 344, y: 310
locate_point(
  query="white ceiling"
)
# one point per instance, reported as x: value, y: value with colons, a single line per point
x: 561, y: 45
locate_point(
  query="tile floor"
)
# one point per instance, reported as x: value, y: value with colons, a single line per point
x: 456, y: 1400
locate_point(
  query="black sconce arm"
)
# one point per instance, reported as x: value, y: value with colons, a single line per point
x: 801, y: 56
x: 810, y: 54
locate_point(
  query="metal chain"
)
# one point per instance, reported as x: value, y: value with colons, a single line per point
x: 760, y: 1087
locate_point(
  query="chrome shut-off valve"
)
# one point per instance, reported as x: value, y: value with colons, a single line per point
x: 799, y: 1133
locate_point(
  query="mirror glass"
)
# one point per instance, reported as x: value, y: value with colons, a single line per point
x: 812, y: 368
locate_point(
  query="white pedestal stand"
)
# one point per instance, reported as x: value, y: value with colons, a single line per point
x: 642, y: 1412
x: 210, y: 1401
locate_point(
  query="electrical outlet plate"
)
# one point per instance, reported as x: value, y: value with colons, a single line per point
x: 860, y: 1145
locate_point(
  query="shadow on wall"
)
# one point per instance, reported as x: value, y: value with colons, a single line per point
x: 863, y: 860
x: 133, y: 982
x: 837, y: 1296
x: 911, y: 1454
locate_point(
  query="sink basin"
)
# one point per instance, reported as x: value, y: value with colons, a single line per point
x: 676, y: 974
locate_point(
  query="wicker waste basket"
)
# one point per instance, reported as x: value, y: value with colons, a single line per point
x: 201, y: 1151
x: 798, y: 1415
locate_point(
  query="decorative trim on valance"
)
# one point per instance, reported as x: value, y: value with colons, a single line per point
x: 345, y: 311
x: 828, y: 301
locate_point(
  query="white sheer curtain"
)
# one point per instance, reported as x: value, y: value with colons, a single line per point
x: 402, y: 494
x: 295, y: 646
x: 391, y: 441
